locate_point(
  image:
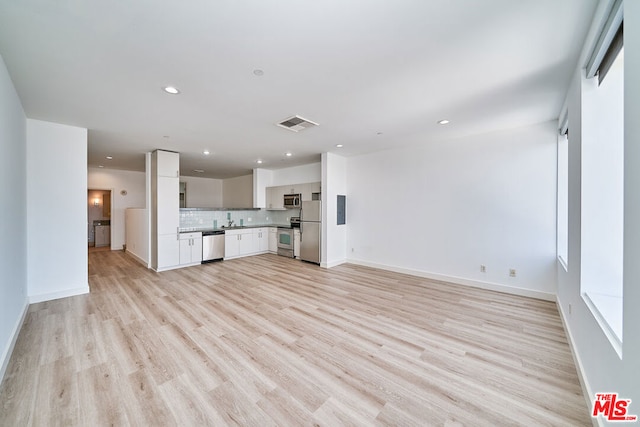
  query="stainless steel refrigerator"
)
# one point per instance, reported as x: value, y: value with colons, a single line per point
x: 310, y: 231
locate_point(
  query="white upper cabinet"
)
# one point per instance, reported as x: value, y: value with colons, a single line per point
x: 168, y: 164
x: 305, y: 191
x: 275, y: 195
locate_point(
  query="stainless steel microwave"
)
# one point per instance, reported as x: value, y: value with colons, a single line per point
x: 292, y: 200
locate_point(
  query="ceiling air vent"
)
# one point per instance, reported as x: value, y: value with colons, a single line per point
x: 296, y: 123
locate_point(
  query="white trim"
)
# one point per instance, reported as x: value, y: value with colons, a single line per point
x: 563, y: 263
x: 563, y: 122
x: 547, y: 296
x: 611, y: 335
x: 608, y: 29
x: 332, y: 264
x: 33, y: 299
x: 582, y: 377
x: 4, y: 362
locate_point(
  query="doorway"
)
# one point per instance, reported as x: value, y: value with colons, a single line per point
x: 99, y: 219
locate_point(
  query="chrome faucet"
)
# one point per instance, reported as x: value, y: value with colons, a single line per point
x: 230, y: 223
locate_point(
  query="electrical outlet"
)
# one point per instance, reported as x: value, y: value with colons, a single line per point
x: 249, y: 219
x: 512, y: 272
x: 483, y: 269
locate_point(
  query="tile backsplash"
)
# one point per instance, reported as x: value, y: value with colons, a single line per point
x: 205, y: 218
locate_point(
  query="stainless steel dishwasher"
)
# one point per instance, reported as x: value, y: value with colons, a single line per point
x: 212, y: 245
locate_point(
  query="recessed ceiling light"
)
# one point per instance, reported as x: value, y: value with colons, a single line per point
x: 109, y: 157
x: 206, y: 152
x: 259, y: 162
x: 258, y: 72
x: 165, y: 136
x: 379, y: 133
x: 198, y: 170
x: 288, y: 154
x: 443, y: 122
x: 100, y: 166
x: 172, y: 90
x: 339, y: 145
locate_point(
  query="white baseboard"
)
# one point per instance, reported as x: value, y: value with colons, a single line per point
x: 584, y: 384
x: 137, y: 258
x: 331, y: 264
x: 6, y: 354
x: 460, y: 281
x: 57, y: 295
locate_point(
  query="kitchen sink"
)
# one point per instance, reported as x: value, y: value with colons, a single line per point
x: 233, y: 227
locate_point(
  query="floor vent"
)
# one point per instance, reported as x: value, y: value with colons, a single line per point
x: 297, y: 123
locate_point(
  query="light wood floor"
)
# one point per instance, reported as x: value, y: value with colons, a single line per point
x: 269, y: 341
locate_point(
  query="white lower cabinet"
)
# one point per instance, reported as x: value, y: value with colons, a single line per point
x: 261, y: 239
x: 244, y: 242
x: 168, y: 251
x: 296, y: 243
x: 231, y: 245
x: 247, y: 243
x: 238, y: 243
x: 273, y: 239
x: 190, y: 248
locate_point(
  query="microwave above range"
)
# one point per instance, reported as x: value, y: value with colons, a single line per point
x: 292, y: 200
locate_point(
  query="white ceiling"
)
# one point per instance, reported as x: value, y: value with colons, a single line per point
x: 374, y: 74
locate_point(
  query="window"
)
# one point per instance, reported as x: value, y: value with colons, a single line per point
x: 602, y: 197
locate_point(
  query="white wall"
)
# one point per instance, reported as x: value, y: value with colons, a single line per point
x: 442, y: 209
x: 13, y: 214
x: 137, y: 226
x: 601, y: 367
x: 334, y: 183
x: 238, y: 192
x: 297, y: 174
x: 56, y: 210
x: 116, y: 181
x: 203, y: 192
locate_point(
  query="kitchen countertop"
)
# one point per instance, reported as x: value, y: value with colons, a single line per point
x: 244, y: 227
